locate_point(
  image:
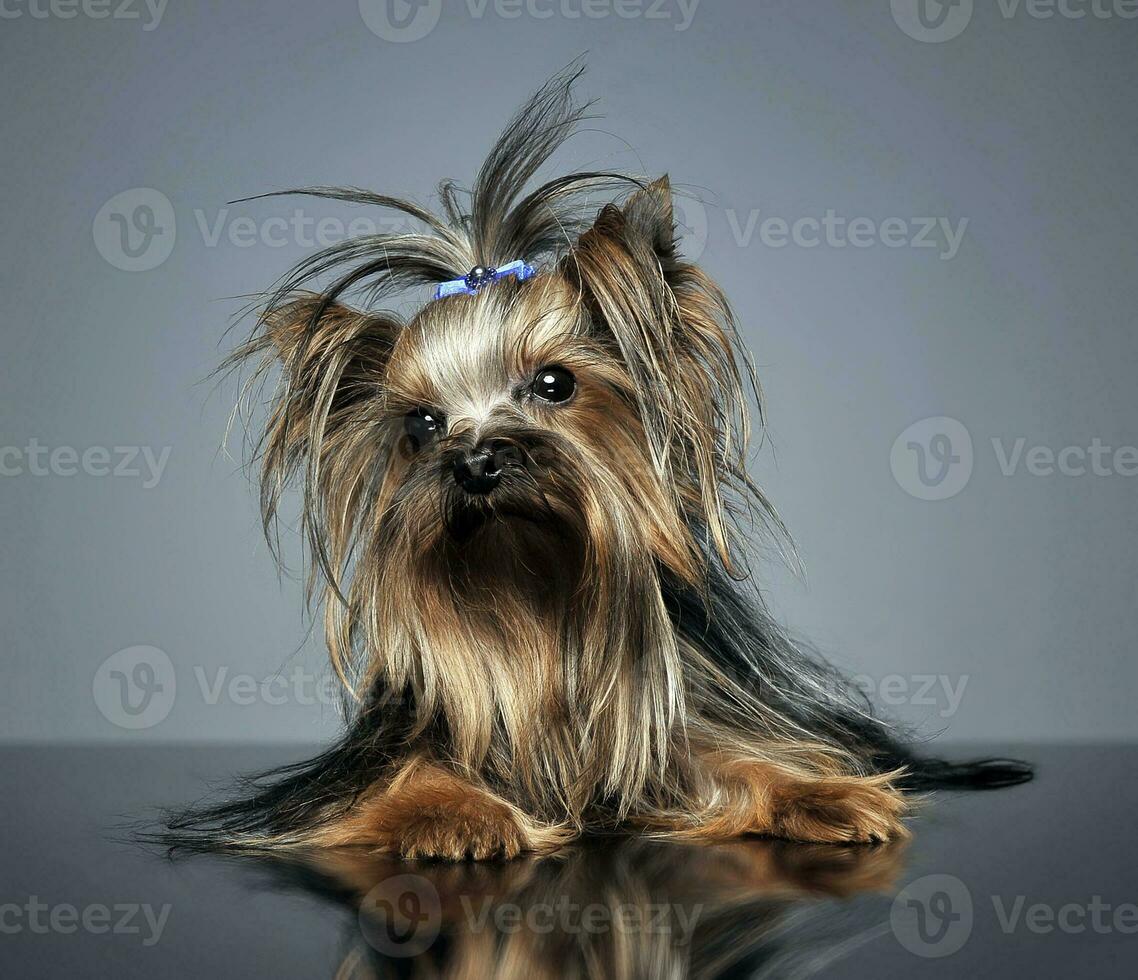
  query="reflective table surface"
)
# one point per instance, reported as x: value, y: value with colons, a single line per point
x: 1037, y: 881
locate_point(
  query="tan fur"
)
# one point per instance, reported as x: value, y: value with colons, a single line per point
x: 540, y: 645
x: 744, y: 796
x: 427, y: 812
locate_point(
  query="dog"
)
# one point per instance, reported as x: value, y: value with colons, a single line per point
x: 528, y: 512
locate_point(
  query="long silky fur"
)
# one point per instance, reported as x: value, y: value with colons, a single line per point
x: 673, y: 649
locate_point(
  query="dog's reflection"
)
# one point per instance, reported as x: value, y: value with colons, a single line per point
x: 603, y: 909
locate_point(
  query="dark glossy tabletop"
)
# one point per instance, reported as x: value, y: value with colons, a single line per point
x: 1036, y: 881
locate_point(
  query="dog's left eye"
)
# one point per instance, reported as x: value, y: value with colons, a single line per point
x: 554, y: 384
x: 422, y: 425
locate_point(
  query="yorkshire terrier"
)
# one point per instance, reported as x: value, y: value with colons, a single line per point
x: 527, y: 510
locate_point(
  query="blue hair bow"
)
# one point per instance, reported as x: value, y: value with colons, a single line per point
x: 481, y: 276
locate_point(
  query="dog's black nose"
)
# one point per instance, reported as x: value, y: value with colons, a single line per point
x: 481, y: 470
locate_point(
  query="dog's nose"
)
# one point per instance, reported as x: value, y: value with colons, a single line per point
x: 481, y: 470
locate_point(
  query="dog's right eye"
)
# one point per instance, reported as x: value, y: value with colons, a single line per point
x: 422, y: 425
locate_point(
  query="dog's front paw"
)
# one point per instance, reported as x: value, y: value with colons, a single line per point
x: 427, y: 811
x: 840, y: 810
x: 478, y: 828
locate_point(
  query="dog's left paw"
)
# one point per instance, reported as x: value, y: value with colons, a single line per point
x: 840, y: 810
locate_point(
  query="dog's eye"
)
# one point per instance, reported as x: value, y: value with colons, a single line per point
x: 554, y: 384
x: 422, y: 425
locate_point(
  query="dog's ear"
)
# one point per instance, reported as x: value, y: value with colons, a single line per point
x: 651, y: 222
x: 332, y: 360
x: 644, y: 229
x: 302, y: 329
x: 676, y: 336
x: 326, y: 415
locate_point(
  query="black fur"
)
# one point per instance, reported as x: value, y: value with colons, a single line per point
x: 796, y: 683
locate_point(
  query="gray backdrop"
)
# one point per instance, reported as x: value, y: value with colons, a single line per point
x: 924, y: 218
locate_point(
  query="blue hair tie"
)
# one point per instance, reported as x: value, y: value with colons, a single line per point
x: 481, y: 276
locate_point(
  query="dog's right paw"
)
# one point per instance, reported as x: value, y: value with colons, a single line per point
x: 478, y: 828
x: 429, y: 812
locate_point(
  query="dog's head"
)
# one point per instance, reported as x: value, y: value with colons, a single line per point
x: 518, y: 462
x: 558, y: 420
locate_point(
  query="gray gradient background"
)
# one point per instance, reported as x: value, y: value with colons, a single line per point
x: 1025, y: 585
